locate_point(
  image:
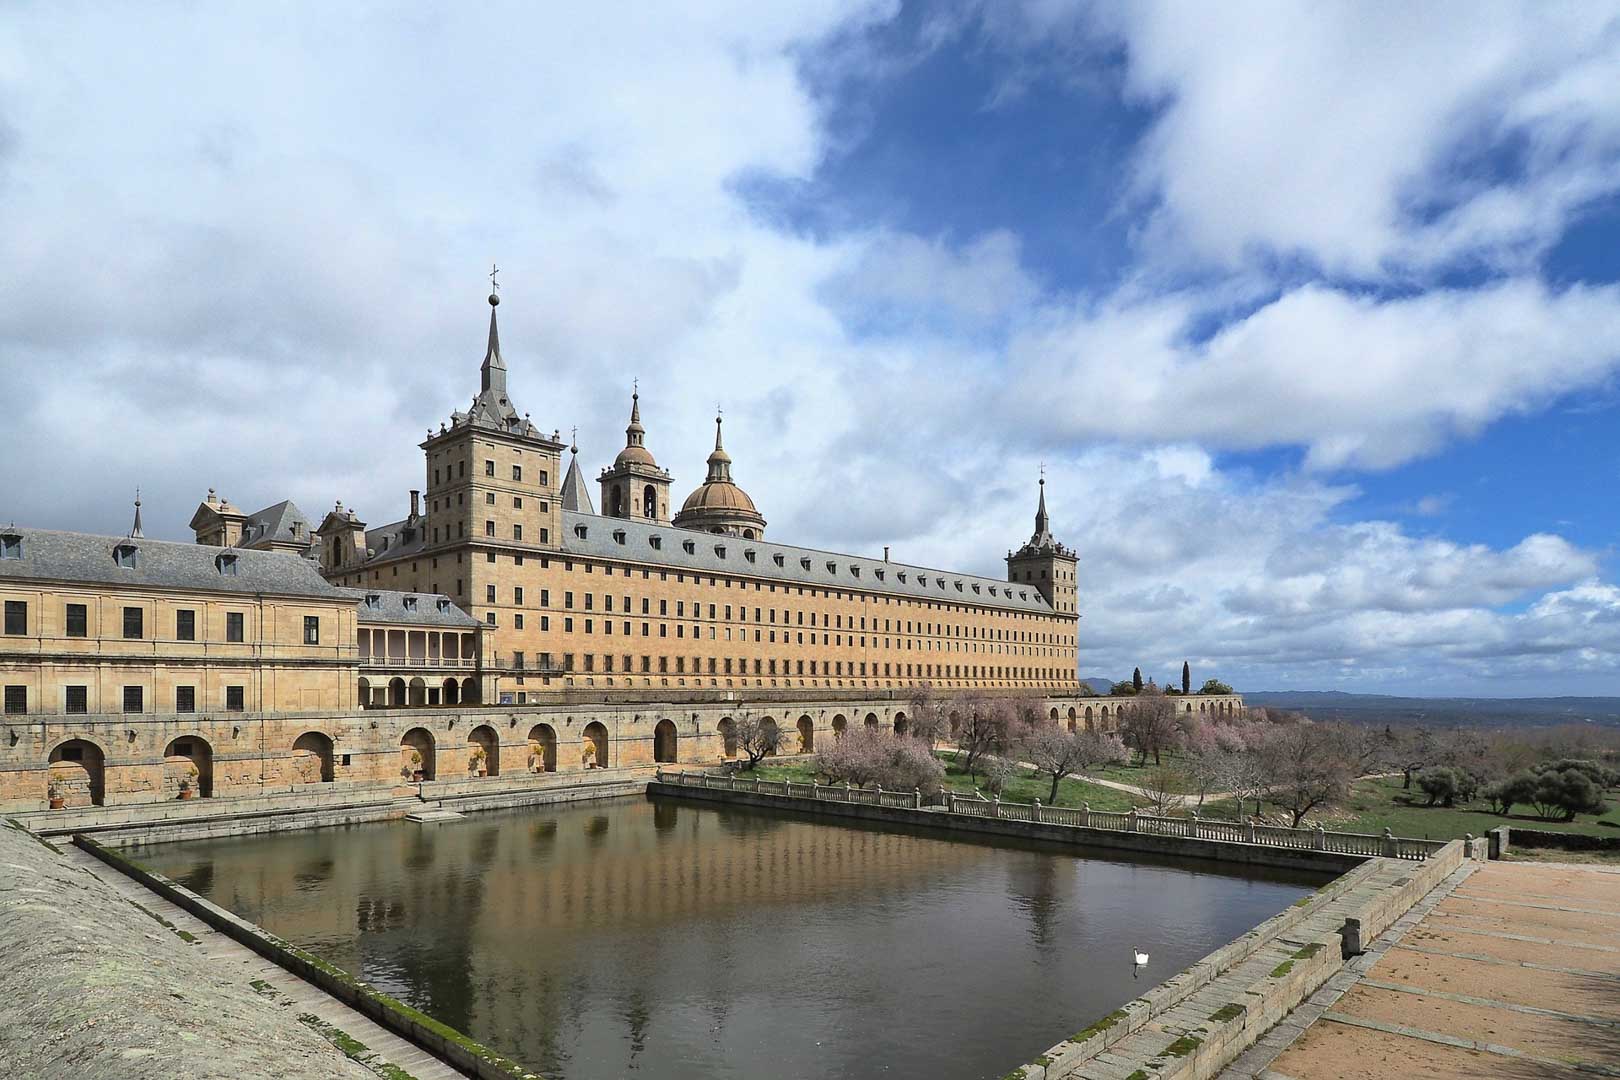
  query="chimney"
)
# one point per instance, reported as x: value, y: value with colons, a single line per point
x: 885, y: 552
x: 416, y: 503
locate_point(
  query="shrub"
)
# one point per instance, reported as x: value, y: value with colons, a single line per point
x: 1440, y: 784
x: 1504, y: 794
x: 1569, y: 792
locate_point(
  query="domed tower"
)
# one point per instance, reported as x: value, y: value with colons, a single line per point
x: 719, y: 505
x: 1045, y: 564
x: 634, y: 486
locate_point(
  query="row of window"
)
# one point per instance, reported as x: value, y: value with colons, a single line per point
x: 76, y: 699
x: 489, y: 470
x: 77, y: 623
x: 840, y: 668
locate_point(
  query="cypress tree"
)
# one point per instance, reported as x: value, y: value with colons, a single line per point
x: 1186, y: 678
x: 1136, y: 680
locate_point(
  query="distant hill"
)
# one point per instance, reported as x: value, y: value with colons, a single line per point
x: 1442, y: 712
x: 1100, y: 684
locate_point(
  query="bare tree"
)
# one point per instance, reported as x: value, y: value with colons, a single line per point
x: 981, y: 729
x: 758, y: 738
x: 1162, y: 785
x: 1150, y: 726
x: 1309, y: 768
x: 1059, y: 754
x: 927, y: 716
x: 1244, y: 774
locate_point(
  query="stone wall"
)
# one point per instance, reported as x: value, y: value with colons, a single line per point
x: 94, y: 987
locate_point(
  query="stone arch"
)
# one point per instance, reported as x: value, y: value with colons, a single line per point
x: 1090, y: 723
x: 768, y: 726
x: 728, y: 737
x: 1203, y: 706
x: 900, y: 723
x: 1189, y: 706
x: 1105, y: 715
x: 956, y: 724
x: 483, y: 738
x: 594, y: 745
x: 188, y: 765
x: 666, y: 741
x: 839, y: 724
x: 543, y: 748
x: 1054, y: 716
x: 615, y: 506
x: 469, y: 692
x: 364, y: 695
x: 871, y: 720
x: 396, y: 692
x: 450, y: 692
x: 649, y: 502
x: 807, y: 735
x: 312, y: 758
x: 78, y: 773
x: 417, y: 755
x: 416, y: 691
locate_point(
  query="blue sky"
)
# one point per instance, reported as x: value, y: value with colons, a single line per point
x: 1311, y: 314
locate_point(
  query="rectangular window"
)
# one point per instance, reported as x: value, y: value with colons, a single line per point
x: 233, y: 626
x: 78, y: 620
x: 185, y: 625
x: 489, y: 594
x: 312, y: 630
x: 185, y: 699
x: 16, y: 699
x: 517, y: 532
x: 133, y: 697
x: 517, y: 621
x: 16, y: 616
x: 517, y: 472
x: 233, y: 699
x: 489, y: 468
x: 77, y: 700
x: 134, y: 627
x: 517, y: 595
x: 489, y: 528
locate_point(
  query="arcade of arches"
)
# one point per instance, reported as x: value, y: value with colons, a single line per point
x: 117, y: 761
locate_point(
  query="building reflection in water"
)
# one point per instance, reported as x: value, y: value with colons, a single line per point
x: 688, y: 940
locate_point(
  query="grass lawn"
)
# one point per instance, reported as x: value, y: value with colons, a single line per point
x: 1132, y: 773
x: 1377, y: 804
x: 1027, y: 787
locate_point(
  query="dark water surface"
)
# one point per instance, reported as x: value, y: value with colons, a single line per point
x: 680, y: 940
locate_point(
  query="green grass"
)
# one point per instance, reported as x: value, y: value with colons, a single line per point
x: 1381, y: 803
x: 1026, y: 787
x: 1130, y: 772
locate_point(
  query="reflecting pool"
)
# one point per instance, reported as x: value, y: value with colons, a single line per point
x: 673, y: 939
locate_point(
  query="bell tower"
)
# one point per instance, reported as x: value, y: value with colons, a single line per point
x: 634, y: 486
x: 1046, y: 565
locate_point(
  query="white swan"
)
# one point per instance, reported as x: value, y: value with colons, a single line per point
x: 1141, y: 958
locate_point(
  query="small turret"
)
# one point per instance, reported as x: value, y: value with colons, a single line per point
x: 1045, y: 564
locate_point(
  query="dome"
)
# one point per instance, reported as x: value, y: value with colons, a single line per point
x: 635, y: 455
x: 719, y: 495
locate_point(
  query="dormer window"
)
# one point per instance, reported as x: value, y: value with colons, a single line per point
x: 373, y: 601
x: 444, y: 604
x: 618, y: 536
x: 410, y: 603
x: 832, y: 567
x: 126, y: 556
x: 992, y: 590
x: 750, y: 555
x: 581, y: 531
x: 879, y: 574
x: 720, y: 550
x: 940, y: 581
x: 657, y: 542
x: 804, y: 563
x: 854, y: 571
x: 10, y: 546
x: 779, y: 560
x: 225, y: 563
x: 958, y: 586
x: 689, y: 546
x: 900, y: 575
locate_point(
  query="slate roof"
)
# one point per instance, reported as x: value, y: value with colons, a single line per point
x: 848, y: 571
x: 575, y: 495
x: 432, y: 609
x: 274, y: 524
x: 394, y: 534
x: 161, y: 564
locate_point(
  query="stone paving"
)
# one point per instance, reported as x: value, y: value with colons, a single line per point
x: 242, y: 966
x: 1510, y: 970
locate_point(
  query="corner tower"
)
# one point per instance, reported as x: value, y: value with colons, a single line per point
x: 634, y: 486
x: 492, y: 476
x: 1046, y: 565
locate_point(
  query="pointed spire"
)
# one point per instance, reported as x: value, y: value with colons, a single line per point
x: 1042, y: 526
x: 575, y: 495
x: 135, y: 529
x: 635, y: 434
x: 719, y: 461
x: 494, y: 368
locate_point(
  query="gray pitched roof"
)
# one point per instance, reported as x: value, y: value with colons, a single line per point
x: 389, y: 606
x: 793, y: 565
x: 575, y: 495
x: 390, y: 541
x: 162, y: 564
x: 274, y: 524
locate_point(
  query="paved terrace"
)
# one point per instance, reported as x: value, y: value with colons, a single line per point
x: 1510, y: 971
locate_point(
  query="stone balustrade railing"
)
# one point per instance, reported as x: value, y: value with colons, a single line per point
x: 1083, y: 817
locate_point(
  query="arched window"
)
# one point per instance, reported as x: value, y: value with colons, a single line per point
x: 649, y: 502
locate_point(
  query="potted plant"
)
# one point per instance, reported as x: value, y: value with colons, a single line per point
x: 476, y: 760
x: 188, y: 783
x: 57, y: 793
x: 416, y: 766
x: 536, y: 763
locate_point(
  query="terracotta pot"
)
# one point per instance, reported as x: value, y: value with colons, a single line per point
x: 482, y: 772
x: 417, y: 776
x: 57, y: 802
x: 187, y: 793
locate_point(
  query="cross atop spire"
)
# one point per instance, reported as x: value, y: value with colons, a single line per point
x: 493, y: 371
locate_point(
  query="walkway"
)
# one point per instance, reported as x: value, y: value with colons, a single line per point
x: 1512, y: 972
x: 383, y: 1048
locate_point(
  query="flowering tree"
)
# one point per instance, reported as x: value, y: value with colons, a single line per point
x: 1058, y: 753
